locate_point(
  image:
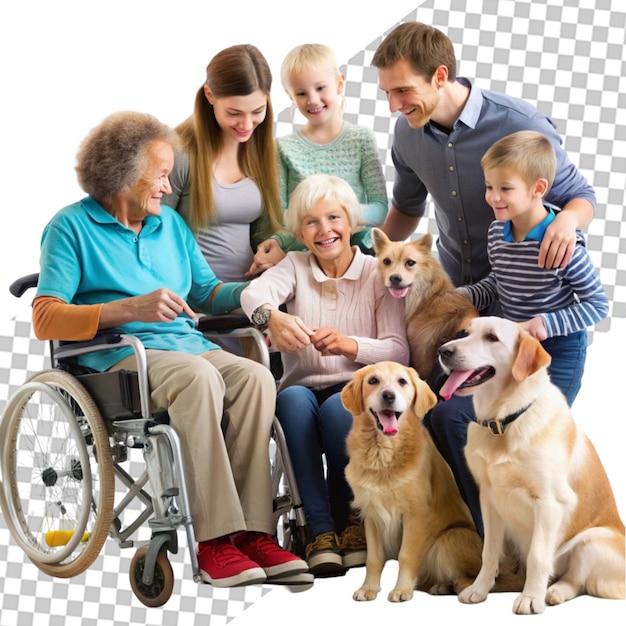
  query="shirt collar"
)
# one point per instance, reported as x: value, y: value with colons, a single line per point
x: 100, y: 215
x: 535, y: 234
x: 473, y: 106
x: 352, y: 273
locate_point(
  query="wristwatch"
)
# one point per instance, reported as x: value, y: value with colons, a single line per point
x: 260, y: 317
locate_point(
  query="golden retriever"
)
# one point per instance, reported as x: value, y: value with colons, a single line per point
x: 403, y: 488
x: 434, y: 310
x: 541, y: 482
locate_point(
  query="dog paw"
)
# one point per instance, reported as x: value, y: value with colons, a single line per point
x: 400, y: 595
x: 528, y: 605
x: 441, y: 589
x: 472, y: 595
x: 365, y: 593
x: 560, y: 592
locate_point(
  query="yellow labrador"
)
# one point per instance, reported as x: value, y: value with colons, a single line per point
x: 541, y: 481
x: 405, y: 491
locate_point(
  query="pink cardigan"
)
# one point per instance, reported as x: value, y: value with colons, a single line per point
x: 357, y: 305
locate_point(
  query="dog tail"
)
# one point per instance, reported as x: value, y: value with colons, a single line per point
x: 453, y: 562
x: 511, y: 573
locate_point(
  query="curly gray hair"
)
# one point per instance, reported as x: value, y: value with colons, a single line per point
x: 113, y: 155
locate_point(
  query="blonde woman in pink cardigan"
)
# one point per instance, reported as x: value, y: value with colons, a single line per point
x: 339, y: 317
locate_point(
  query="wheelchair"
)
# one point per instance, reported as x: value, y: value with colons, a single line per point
x: 69, y: 439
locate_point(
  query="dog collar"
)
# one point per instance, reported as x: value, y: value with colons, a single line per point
x: 497, y: 427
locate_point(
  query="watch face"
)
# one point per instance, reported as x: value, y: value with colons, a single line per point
x: 260, y: 316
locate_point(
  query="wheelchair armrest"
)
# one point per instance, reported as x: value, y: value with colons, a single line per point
x: 216, y: 327
x: 108, y: 340
x: 222, y: 323
x: 20, y: 286
x: 102, y: 341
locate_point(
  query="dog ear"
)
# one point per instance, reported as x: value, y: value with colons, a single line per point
x: 379, y: 239
x: 426, y: 242
x: 531, y: 357
x: 424, y: 399
x: 351, y: 395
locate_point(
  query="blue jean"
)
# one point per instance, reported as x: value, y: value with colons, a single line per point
x: 448, y: 421
x: 317, y: 424
x: 566, y: 369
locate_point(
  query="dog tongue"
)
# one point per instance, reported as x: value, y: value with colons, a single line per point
x: 453, y: 382
x: 389, y: 422
x: 398, y: 292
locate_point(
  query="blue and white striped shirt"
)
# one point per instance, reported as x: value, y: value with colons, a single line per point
x: 568, y: 299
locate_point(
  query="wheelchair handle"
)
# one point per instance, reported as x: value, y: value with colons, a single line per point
x: 20, y: 286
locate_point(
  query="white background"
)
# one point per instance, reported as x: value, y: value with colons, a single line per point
x: 67, y: 64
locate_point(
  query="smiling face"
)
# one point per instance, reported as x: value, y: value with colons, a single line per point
x: 512, y: 199
x: 238, y: 116
x: 144, y: 198
x: 326, y: 231
x: 316, y: 93
x: 410, y: 93
x: 507, y: 193
x: 382, y: 392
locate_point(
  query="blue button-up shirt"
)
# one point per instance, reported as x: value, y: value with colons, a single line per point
x: 429, y: 161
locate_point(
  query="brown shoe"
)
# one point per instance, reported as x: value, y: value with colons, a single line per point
x: 324, y: 556
x: 352, y: 543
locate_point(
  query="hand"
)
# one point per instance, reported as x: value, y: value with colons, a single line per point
x: 330, y: 343
x: 289, y: 333
x: 535, y: 328
x: 559, y: 241
x: 161, y: 305
x: 267, y: 255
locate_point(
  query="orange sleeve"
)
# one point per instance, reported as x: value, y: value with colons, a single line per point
x: 55, y: 319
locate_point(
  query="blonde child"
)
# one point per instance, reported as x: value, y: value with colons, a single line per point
x: 326, y: 144
x: 554, y: 305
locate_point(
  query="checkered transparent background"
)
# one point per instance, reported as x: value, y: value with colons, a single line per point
x: 564, y: 56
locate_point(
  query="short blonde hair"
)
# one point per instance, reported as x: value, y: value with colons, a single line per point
x: 319, y: 187
x: 527, y: 152
x: 306, y: 56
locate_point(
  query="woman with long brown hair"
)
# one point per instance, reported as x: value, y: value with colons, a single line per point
x: 224, y: 181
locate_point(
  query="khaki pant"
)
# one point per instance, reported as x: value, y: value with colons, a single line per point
x: 227, y: 469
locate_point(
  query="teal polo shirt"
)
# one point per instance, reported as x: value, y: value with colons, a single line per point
x: 536, y: 233
x: 89, y: 257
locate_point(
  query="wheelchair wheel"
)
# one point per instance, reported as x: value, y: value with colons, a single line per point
x: 159, y: 592
x: 58, y: 483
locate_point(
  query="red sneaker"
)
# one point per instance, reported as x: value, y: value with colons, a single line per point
x: 276, y: 562
x: 223, y: 565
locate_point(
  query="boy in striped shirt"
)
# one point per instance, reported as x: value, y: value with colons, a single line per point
x: 553, y: 305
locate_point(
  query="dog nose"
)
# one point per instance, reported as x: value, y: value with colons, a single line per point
x: 389, y: 397
x: 395, y: 279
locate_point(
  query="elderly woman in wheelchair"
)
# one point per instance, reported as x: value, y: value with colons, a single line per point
x: 119, y: 260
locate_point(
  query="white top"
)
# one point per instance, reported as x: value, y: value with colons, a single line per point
x: 357, y: 305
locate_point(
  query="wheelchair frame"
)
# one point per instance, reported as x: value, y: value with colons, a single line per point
x: 61, y: 451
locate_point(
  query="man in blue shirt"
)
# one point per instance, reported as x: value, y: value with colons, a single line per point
x: 446, y: 126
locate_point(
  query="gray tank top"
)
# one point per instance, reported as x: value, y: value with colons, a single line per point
x: 226, y: 243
